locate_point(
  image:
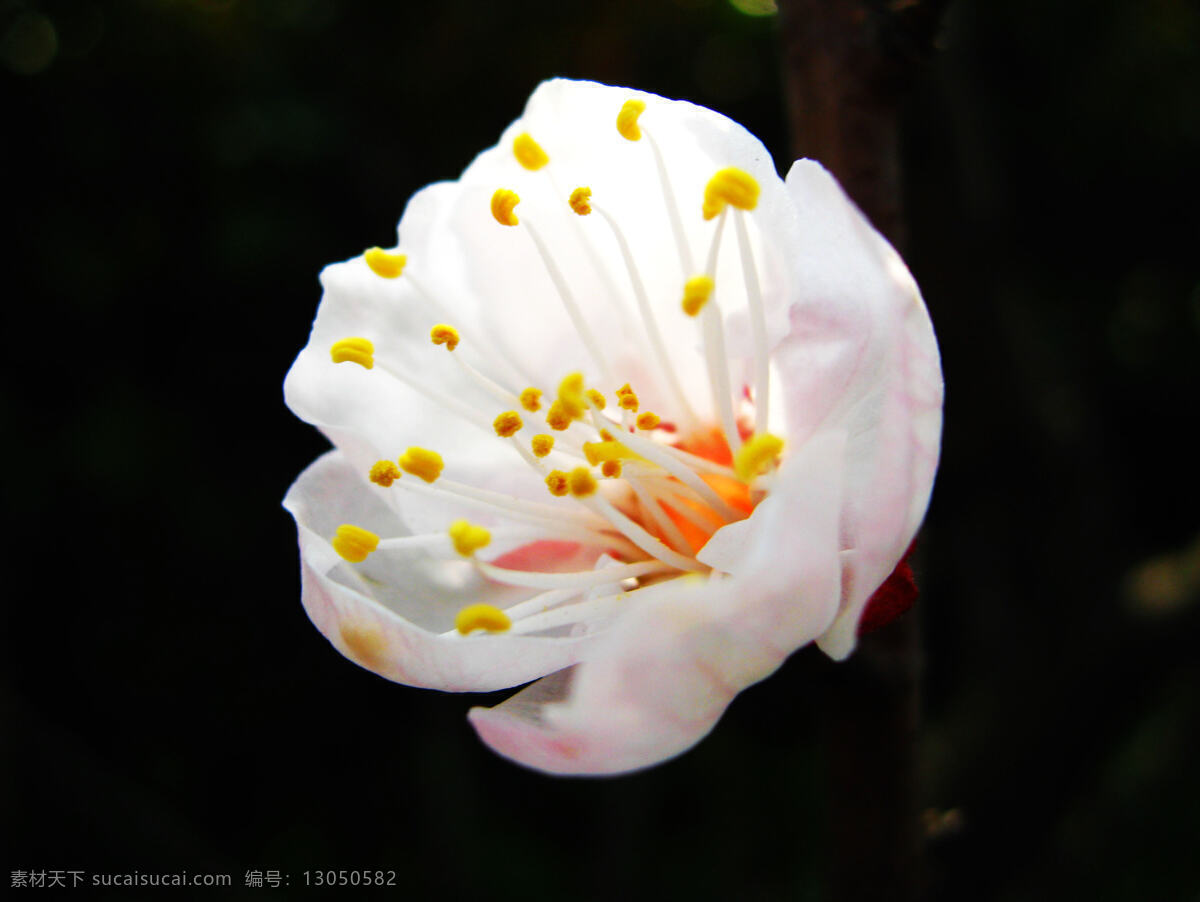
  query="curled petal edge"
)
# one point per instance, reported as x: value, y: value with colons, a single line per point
x: 660, y: 680
x: 378, y: 638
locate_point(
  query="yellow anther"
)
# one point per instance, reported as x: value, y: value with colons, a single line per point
x: 756, y: 455
x: 482, y: 617
x: 570, y: 395
x: 730, y: 186
x: 354, y: 543
x: 423, y: 463
x: 528, y: 152
x: 503, y: 202
x: 384, y: 473
x: 556, y: 482
x: 696, y: 292
x: 579, y: 200
x: 557, y: 417
x: 581, y: 482
x: 507, y: 424
x: 389, y: 266
x: 627, y: 398
x: 441, y: 334
x: 353, y: 350
x: 627, y: 119
x: 596, y: 452
x: 467, y: 537
x: 648, y: 420
x: 611, y: 468
x: 542, y: 444
x: 606, y: 435
x: 596, y: 398
x: 531, y: 399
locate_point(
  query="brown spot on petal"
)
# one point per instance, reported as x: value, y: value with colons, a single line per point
x: 566, y: 748
x: 365, y: 645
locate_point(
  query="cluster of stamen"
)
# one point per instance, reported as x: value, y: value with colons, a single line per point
x: 664, y: 488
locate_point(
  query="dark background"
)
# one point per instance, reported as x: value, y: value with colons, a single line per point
x: 177, y: 172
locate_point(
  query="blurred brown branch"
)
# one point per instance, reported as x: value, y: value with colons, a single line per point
x: 847, y: 64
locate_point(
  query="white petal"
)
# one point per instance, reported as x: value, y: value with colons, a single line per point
x: 390, y: 614
x: 655, y: 684
x: 575, y: 124
x: 791, y: 536
x: 862, y: 355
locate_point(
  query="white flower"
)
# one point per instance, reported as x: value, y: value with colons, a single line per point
x: 689, y: 303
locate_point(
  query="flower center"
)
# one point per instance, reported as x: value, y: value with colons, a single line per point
x: 646, y: 491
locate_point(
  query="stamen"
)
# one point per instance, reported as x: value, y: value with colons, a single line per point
x: 597, y: 452
x: 557, y: 418
x: 353, y: 350
x: 383, y: 264
x: 423, y: 463
x: 494, y: 353
x: 482, y: 617
x: 531, y: 399
x: 508, y: 424
x: 582, y: 525
x: 545, y: 610
x: 648, y: 420
x: 758, y: 327
x: 658, y: 454
x: 542, y: 444
x: 730, y: 186
x: 503, y: 202
x: 690, y: 506
x: 649, y: 503
x: 580, y: 610
x: 653, y: 333
x: 596, y: 398
x: 540, y: 603
x: 448, y: 335
x: 354, y: 543
x: 611, y: 468
x: 696, y: 292
x: 448, y: 402
x: 581, y: 482
x: 627, y: 119
x: 696, y: 462
x: 713, y: 326
x: 579, y: 201
x: 571, y: 397
x: 442, y: 334
x: 650, y: 544
x: 556, y: 482
x: 436, y: 542
x: 579, y: 579
x: 384, y: 473
x: 492, y: 387
x: 756, y: 455
x: 564, y: 291
x: 627, y: 398
x: 529, y: 153
x: 467, y: 537
x: 631, y: 129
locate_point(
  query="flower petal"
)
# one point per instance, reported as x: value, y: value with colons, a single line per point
x: 657, y: 682
x: 862, y: 354
x: 575, y: 123
x: 397, y: 619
